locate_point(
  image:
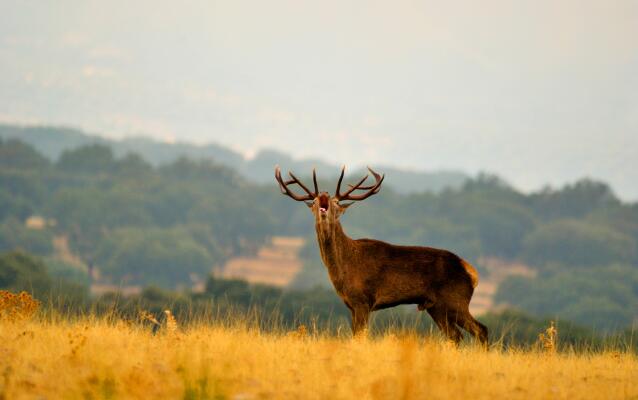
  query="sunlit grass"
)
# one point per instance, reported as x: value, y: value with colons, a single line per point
x: 92, y: 357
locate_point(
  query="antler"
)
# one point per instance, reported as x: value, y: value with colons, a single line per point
x: 283, y: 185
x: 372, y: 189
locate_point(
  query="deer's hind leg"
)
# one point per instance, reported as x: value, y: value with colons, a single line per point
x: 456, y: 302
x: 444, y: 321
x: 465, y: 320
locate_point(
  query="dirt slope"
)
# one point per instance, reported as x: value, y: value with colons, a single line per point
x: 275, y: 264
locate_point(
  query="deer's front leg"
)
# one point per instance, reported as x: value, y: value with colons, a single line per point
x: 360, y: 317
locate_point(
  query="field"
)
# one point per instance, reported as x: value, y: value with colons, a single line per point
x: 93, y: 358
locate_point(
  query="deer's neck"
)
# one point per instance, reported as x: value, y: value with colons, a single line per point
x: 335, y: 247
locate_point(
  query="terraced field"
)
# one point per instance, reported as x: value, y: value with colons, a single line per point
x: 274, y: 264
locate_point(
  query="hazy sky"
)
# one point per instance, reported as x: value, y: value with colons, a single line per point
x: 538, y: 91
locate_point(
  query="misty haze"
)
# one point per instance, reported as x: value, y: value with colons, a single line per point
x: 318, y: 200
x: 539, y: 93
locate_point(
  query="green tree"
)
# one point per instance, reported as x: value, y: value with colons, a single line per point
x: 20, y: 271
x: 574, y: 200
x: 16, y: 207
x: 239, y: 224
x: 200, y: 170
x: 622, y: 217
x: 133, y: 165
x: 15, y: 154
x: 604, y: 297
x: 162, y: 257
x: 495, y: 210
x: 22, y: 190
x: 90, y: 159
x: 14, y: 235
x: 577, y: 243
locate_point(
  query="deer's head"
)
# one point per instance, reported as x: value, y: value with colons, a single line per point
x: 327, y: 209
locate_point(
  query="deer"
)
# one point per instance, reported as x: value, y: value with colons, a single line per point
x: 370, y: 275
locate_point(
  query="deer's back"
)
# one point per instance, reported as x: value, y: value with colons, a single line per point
x: 419, y: 264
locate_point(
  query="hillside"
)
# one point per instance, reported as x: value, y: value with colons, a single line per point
x: 135, y: 224
x: 53, y: 141
x: 276, y: 263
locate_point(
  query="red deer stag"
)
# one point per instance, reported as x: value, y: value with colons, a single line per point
x: 372, y: 275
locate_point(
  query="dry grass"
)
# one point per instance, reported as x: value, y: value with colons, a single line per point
x: 17, y: 307
x: 97, y: 358
x: 548, y: 339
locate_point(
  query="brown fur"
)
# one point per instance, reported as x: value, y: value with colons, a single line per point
x: 372, y: 275
x: 469, y: 268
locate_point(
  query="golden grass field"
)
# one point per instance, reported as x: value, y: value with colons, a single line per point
x: 100, y: 358
x: 96, y: 359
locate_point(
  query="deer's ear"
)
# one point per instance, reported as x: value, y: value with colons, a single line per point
x: 309, y: 203
x: 344, y: 206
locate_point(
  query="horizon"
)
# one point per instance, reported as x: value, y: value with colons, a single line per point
x: 349, y: 167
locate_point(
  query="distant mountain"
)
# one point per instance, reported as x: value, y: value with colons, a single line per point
x: 261, y: 167
x: 405, y: 181
x: 52, y: 141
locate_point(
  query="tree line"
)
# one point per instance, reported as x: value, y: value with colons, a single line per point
x: 168, y: 225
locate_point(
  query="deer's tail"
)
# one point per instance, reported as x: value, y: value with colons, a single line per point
x: 471, y: 271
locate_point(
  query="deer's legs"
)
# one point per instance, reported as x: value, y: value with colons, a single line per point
x: 360, y: 317
x: 475, y: 328
x: 445, y: 322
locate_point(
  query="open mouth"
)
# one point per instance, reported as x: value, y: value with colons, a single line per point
x: 324, y: 204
